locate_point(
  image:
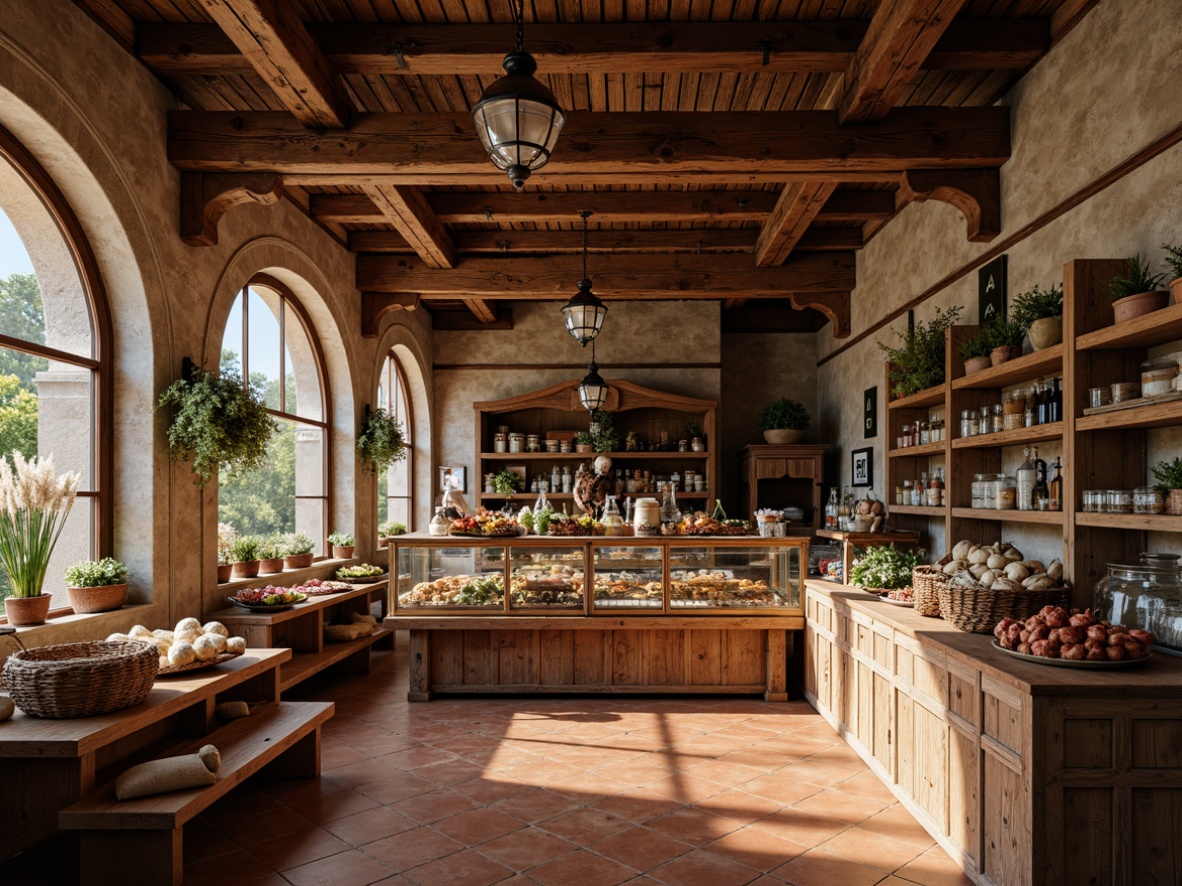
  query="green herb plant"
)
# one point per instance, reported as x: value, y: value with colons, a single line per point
x: 379, y: 439
x: 341, y: 540
x: 1137, y: 280
x: 1168, y: 475
x: 507, y: 483
x: 96, y: 573
x: 245, y: 548
x: 1002, y: 333
x: 977, y: 346
x: 602, y: 432
x: 296, y: 543
x: 1037, y: 304
x: 391, y: 527
x: 270, y: 549
x: 783, y: 414
x: 218, y: 421
x: 226, y: 536
x: 1173, y: 259
x: 884, y: 567
x: 919, y: 363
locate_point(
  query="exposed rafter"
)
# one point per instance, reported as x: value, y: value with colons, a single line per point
x: 602, y: 48
x: 798, y: 207
x: 407, y: 210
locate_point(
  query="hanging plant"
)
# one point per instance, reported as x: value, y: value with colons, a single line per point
x: 218, y: 421
x: 379, y: 439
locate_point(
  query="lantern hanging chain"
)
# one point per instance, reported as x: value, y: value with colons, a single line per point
x: 585, y: 215
x: 520, y: 25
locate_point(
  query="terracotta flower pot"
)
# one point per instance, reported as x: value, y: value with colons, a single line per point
x: 225, y: 572
x: 343, y: 552
x: 583, y: 447
x: 1001, y: 355
x: 381, y: 542
x: 1176, y: 288
x: 246, y: 568
x: 1046, y: 332
x: 101, y: 599
x: 1139, y: 305
x: 976, y: 364
x: 1174, y: 502
x: 266, y: 567
x: 783, y: 436
x: 26, y: 611
x: 297, y: 561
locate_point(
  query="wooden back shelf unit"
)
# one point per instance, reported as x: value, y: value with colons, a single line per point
x: 633, y: 408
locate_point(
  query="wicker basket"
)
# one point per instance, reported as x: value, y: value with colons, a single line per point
x: 926, y: 582
x: 980, y: 609
x: 81, y: 679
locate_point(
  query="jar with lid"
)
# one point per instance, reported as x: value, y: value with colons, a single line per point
x: 500, y: 442
x: 1147, y: 500
x: 1157, y: 376
x: 439, y: 523
x: 935, y: 491
x: 925, y: 433
x: 1146, y: 595
x: 1118, y: 501
x: 1014, y: 409
x: 1006, y: 492
x: 966, y: 423
x: 906, y: 493
x: 978, y: 491
x: 999, y: 419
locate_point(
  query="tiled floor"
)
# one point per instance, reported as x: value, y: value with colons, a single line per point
x: 558, y: 792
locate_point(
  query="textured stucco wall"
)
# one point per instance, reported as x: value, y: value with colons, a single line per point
x: 95, y: 119
x: 1107, y: 90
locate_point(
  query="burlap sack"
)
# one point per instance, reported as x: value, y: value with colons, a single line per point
x: 345, y: 633
x: 169, y: 774
x: 359, y: 618
x: 232, y: 710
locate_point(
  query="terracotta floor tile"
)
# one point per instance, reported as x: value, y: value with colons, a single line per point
x: 408, y: 850
x: 896, y: 823
x: 350, y: 868
x: 431, y: 807
x: 536, y: 805
x: 331, y: 806
x: 865, y: 784
x: 478, y: 826
x: 800, y: 827
x: 740, y: 805
x: 414, y: 757
x: 685, y: 787
x: 366, y: 772
x: 780, y: 788
x: 693, y: 825
x: 704, y: 868
x: 582, y: 868
x: 235, y: 869
x: 727, y: 774
x: 487, y: 790
x: 207, y: 842
x: 823, y: 774
x: 812, y: 870
x: 289, y: 851
x: 870, y: 849
x: 451, y: 772
x: 400, y: 786
x: 246, y: 801
x: 527, y: 848
x: 639, y: 806
x: 934, y: 868
x: 467, y: 868
x: 640, y: 848
x: 757, y: 849
x: 840, y: 806
x: 373, y: 824
x: 585, y: 826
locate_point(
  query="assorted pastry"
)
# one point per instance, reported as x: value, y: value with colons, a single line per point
x: 457, y: 590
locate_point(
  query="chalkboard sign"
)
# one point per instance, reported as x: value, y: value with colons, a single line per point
x: 870, y: 413
x: 991, y: 290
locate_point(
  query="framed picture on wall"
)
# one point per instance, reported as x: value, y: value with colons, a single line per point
x: 862, y: 467
x: 453, y: 474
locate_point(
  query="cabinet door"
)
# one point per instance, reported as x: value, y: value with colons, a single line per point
x: 930, y: 788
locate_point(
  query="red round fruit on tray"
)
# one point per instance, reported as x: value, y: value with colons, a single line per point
x: 1076, y: 636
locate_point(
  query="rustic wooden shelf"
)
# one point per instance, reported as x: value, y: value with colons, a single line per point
x: 916, y: 510
x: 1140, y: 522
x: 576, y: 456
x: 1024, y: 368
x: 927, y: 449
x: 928, y: 397
x: 1049, y: 518
x: 567, y: 496
x: 1157, y: 415
x: 1014, y: 437
x: 1140, y: 332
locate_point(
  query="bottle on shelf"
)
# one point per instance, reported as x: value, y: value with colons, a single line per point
x: 1025, y: 476
x: 1030, y: 417
x: 831, y: 509
x: 1042, y: 403
x: 1041, y: 496
x: 1056, y: 489
x: 1055, y: 413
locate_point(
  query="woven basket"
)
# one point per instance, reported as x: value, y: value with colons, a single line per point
x: 81, y: 679
x: 980, y: 609
x: 926, y: 582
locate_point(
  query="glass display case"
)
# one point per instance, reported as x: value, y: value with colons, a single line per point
x: 547, y: 579
x: 466, y: 579
x: 728, y: 577
x: 628, y: 577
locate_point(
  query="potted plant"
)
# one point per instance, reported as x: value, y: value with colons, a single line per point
x: 1169, y: 482
x: 34, y: 504
x: 1174, y: 261
x: 379, y: 439
x: 218, y: 420
x: 1006, y: 337
x: 244, y: 554
x: 975, y: 353
x: 226, y: 536
x: 783, y: 421
x: 603, y: 433
x: 96, y: 586
x: 507, y: 483
x: 584, y: 442
x: 388, y: 530
x: 919, y: 363
x: 297, y: 550
x: 1137, y: 293
x: 270, y: 554
x: 342, y: 545
x: 1041, y: 312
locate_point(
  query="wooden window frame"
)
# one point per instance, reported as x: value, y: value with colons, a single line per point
x: 396, y: 380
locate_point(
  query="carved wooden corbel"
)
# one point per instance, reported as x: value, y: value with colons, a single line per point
x: 376, y: 305
x: 834, y: 305
x: 206, y: 197
x: 975, y: 192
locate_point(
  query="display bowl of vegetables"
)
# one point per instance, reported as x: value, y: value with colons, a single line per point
x: 365, y: 573
x: 268, y: 599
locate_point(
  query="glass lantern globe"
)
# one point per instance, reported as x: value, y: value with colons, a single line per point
x: 584, y: 314
x: 593, y: 389
x: 518, y: 120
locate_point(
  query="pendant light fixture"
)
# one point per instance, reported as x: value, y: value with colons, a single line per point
x: 584, y: 313
x: 517, y: 117
x: 593, y: 389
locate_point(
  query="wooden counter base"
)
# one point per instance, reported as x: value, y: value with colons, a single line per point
x: 489, y: 654
x: 1027, y: 775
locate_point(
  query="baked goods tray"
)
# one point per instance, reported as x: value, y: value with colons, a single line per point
x: 173, y: 670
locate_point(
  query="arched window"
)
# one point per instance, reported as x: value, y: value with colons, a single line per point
x: 395, y: 482
x: 269, y: 340
x: 55, y: 390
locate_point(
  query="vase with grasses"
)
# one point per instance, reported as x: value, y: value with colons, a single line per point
x: 34, y: 504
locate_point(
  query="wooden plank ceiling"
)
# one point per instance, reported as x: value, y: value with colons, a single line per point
x: 739, y: 150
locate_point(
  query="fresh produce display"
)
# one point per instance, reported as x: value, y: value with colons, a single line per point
x: 457, y: 590
x: 318, y: 587
x: 1074, y: 636
x: 576, y: 527
x: 701, y: 523
x: 485, y: 525
x: 189, y: 643
x: 883, y: 567
x: 270, y: 596
x: 364, y: 570
x: 902, y: 595
x: 1000, y: 567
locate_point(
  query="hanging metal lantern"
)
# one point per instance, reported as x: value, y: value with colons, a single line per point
x: 584, y: 313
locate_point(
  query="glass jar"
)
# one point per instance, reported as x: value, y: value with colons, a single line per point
x: 999, y: 419
x: 906, y: 436
x: 1147, y: 500
x: 1118, y: 501
x: 439, y: 523
x: 517, y: 442
x: 977, y: 499
x: 1125, y: 391
x: 1146, y: 595
x: 1014, y: 408
x: 925, y: 434
x: 1088, y: 501
x: 1157, y: 376
x: 966, y: 425
x: 1007, y: 492
x: 500, y: 443
x: 1099, y: 397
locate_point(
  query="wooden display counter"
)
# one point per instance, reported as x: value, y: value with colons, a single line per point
x: 1026, y: 774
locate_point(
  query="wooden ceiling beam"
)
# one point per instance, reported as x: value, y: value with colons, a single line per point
x: 600, y: 48
x: 483, y: 310
x: 278, y: 47
x: 660, y: 146
x: 858, y: 206
x: 407, y: 210
x: 614, y: 277
x: 798, y: 207
x: 975, y: 192
x: 901, y: 35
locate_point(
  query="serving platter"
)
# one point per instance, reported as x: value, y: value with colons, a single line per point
x: 267, y: 607
x: 173, y: 670
x: 363, y: 579
x: 886, y: 599
x: 1068, y: 663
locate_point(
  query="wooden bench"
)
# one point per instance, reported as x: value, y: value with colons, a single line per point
x: 145, y: 835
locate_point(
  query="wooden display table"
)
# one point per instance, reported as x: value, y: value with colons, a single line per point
x: 45, y: 765
x: 766, y: 462
x: 1026, y: 774
x: 301, y: 628
x: 851, y: 540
